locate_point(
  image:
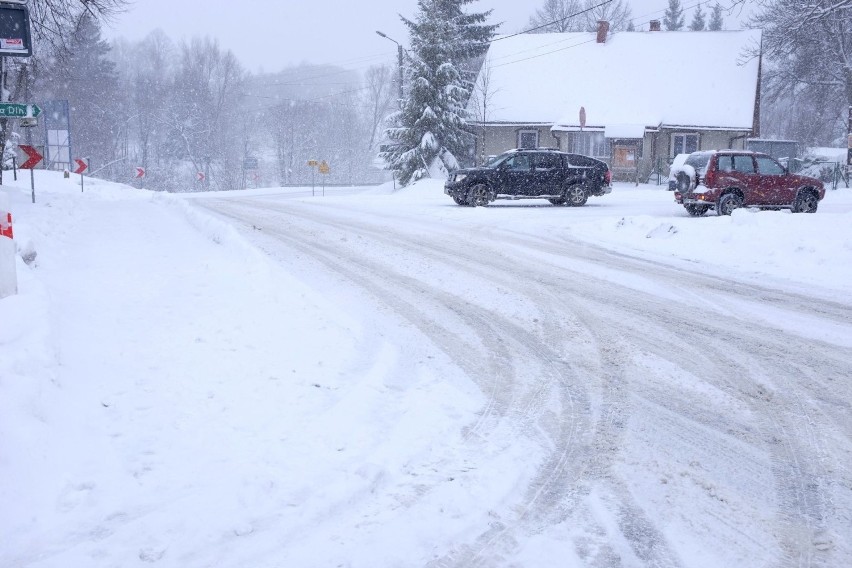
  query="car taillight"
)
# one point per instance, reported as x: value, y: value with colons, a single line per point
x: 608, y: 177
x: 709, y: 177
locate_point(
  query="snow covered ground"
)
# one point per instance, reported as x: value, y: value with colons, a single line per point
x: 266, y: 378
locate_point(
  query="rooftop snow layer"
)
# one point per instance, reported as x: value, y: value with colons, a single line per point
x: 699, y: 79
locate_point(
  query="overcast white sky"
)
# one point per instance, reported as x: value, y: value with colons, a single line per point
x: 272, y: 35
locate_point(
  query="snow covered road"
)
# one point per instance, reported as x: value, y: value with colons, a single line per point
x: 270, y: 379
x: 671, y: 418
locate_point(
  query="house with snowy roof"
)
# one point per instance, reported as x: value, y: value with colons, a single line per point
x: 633, y: 99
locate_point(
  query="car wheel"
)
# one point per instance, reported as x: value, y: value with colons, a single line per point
x: 459, y: 200
x: 729, y: 202
x: 576, y: 195
x: 696, y: 210
x: 479, y: 195
x: 806, y: 202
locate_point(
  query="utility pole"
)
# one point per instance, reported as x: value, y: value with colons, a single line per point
x: 3, y: 122
x: 399, y: 51
x: 849, y: 147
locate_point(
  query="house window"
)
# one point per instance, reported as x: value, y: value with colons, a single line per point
x: 528, y: 139
x: 684, y: 144
x: 591, y: 144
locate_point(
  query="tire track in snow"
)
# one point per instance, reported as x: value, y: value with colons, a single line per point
x: 811, y: 487
x: 550, y: 494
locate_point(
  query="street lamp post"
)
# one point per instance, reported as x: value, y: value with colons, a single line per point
x: 399, y: 58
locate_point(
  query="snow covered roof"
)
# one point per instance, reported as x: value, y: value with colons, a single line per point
x: 697, y: 79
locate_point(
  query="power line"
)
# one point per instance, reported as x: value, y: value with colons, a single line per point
x: 552, y: 22
x: 567, y: 39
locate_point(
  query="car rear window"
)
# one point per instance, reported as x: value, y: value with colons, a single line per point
x: 698, y: 160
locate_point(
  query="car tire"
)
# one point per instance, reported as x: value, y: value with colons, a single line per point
x: 576, y: 196
x: 683, y: 182
x: 459, y: 200
x: 696, y: 210
x: 727, y: 204
x: 479, y: 196
x: 806, y: 202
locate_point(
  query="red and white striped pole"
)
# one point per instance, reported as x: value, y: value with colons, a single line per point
x: 8, y: 251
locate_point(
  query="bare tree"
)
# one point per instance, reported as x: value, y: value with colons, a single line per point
x: 558, y: 16
x: 808, y: 51
x: 480, y: 103
x: 617, y: 13
x: 206, y: 94
x: 379, y: 100
x: 579, y: 15
x: 51, y: 19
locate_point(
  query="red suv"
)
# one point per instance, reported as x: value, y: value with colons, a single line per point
x: 728, y: 179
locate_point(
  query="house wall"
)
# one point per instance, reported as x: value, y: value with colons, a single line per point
x: 654, y: 152
x: 707, y: 140
x: 498, y: 139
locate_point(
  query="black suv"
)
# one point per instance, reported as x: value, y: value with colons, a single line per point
x: 531, y: 174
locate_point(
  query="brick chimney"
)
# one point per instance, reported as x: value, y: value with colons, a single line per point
x: 603, y: 28
x: 655, y: 25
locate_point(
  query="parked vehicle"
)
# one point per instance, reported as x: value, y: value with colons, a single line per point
x: 562, y: 178
x: 728, y: 179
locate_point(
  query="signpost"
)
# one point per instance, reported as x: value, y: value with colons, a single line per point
x: 82, y: 166
x: 15, y: 30
x: 140, y: 172
x: 200, y: 176
x: 313, y: 164
x: 19, y: 110
x: 33, y: 159
x: 323, y: 168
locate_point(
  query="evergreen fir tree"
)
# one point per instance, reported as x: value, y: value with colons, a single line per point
x: 715, y: 18
x: 431, y: 128
x: 674, y: 19
x: 87, y: 78
x: 698, y: 20
x: 631, y: 27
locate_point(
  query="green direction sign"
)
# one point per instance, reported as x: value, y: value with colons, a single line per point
x: 19, y: 110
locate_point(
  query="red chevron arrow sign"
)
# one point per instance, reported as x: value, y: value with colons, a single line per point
x: 140, y: 173
x: 34, y: 157
x: 82, y: 166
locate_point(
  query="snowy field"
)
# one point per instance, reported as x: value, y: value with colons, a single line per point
x: 373, y: 378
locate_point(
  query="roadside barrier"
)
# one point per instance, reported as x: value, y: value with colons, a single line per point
x: 8, y: 251
x: 6, y: 225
